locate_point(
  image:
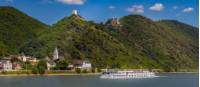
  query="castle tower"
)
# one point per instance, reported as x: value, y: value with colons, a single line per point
x: 55, y: 54
x: 115, y: 22
x: 74, y: 12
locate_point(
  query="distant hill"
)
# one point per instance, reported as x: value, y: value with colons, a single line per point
x: 132, y: 41
x: 165, y: 44
x: 16, y: 28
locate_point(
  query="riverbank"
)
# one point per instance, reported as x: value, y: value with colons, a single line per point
x: 78, y: 74
x: 179, y: 72
x: 55, y: 74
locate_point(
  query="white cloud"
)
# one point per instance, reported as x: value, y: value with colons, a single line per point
x: 72, y: 2
x: 188, y: 10
x: 111, y: 7
x: 157, y: 7
x: 138, y: 9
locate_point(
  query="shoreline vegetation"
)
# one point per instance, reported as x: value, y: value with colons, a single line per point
x: 66, y: 73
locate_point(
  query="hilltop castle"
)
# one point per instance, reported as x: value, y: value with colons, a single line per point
x: 76, y: 15
x: 115, y: 22
x: 74, y: 12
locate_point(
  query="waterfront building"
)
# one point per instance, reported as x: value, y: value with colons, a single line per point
x: 86, y: 65
x: 33, y: 60
x: 70, y: 66
x: 5, y: 65
x: 82, y: 64
x: 50, y: 65
x: 30, y: 59
x: 16, y: 66
x: 25, y: 58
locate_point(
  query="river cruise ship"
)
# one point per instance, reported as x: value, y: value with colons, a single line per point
x: 127, y: 74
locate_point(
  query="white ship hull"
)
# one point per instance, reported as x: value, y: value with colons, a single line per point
x: 127, y: 75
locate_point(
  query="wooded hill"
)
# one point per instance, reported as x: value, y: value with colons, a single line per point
x: 16, y: 28
x: 137, y: 42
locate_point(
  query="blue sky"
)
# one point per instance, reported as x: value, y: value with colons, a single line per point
x: 50, y: 11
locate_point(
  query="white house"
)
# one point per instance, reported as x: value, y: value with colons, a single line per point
x: 24, y: 58
x: 82, y: 64
x: 6, y: 65
x: 86, y: 65
x: 50, y: 64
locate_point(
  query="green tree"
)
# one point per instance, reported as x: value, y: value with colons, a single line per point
x: 27, y: 65
x: 41, y: 70
x: 34, y: 70
x: 41, y: 67
x: 61, y: 65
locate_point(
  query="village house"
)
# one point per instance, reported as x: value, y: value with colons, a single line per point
x: 30, y: 59
x: 12, y: 62
x: 16, y: 66
x: 50, y: 65
x: 70, y: 66
x: 5, y: 65
x: 82, y: 64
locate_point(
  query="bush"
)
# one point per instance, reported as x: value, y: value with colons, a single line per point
x: 41, y: 70
x: 93, y: 70
x: 41, y: 67
x: 4, y: 72
x: 42, y: 64
x: 61, y: 65
x: 98, y: 70
x: 27, y: 66
x: 85, y: 71
x: 34, y: 70
x: 78, y: 70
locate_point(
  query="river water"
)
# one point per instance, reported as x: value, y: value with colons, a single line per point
x: 166, y: 80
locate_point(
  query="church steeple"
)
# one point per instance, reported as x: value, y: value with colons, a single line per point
x: 55, y: 54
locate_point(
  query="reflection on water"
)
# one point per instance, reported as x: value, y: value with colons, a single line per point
x: 165, y: 80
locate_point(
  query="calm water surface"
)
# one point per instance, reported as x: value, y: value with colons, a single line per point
x: 168, y: 80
